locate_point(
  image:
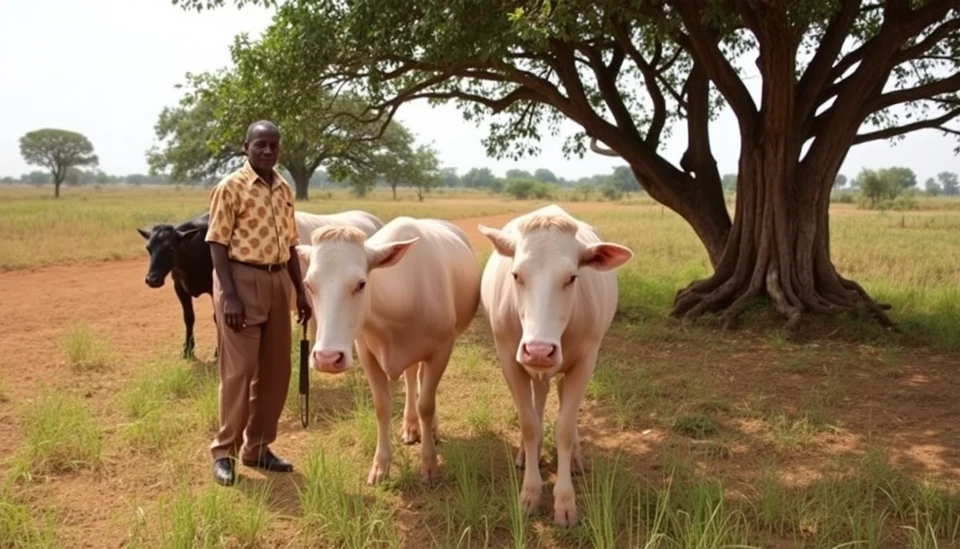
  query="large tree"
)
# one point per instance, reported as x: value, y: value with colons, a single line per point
x: 832, y: 74
x: 58, y: 151
x: 203, y: 136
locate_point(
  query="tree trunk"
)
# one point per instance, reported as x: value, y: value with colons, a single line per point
x: 301, y: 179
x: 56, y: 189
x: 394, y: 187
x: 778, y: 248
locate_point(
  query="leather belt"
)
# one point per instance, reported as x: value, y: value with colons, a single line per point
x: 270, y: 268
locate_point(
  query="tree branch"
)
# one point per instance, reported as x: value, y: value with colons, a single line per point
x: 925, y: 91
x: 938, y: 34
x: 820, y: 68
x: 607, y: 83
x: 595, y: 147
x: 704, y: 46
x: 659, y: 121
x: 933, y: 123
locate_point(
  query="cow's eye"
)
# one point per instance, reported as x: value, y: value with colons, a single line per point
x: 361, y: 285
x: 571, y: 280
x: 516, y: 278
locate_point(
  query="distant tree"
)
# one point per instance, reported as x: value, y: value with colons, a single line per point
x: 423, y: 171
x: 904, y: 178
x: 933, y: 188
x: 523, y: 188
x: 58, y: 151
x: 203, y: 135
x: 449, y: 178
x: 729, y: 182
x: 840, y: 181
x: 873, y: 187
x: 479, y: 178
x: 545, y: 176
x: 624, y: 179
x: 950, y: 183
x: 518, y: 174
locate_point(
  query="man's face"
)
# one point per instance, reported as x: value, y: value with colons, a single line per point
x: 263, y: 148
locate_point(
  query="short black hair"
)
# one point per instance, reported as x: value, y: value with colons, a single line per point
x: 261, y: 124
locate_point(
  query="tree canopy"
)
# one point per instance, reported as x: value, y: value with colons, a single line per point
x: 832, y: 74
x: 203, y: 136
x: 58, y: 151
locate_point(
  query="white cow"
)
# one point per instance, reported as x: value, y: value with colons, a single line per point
x: 307, y: 223
x: 401, y: 297
x: 549, y: 293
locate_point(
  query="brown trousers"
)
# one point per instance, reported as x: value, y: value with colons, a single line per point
x: 254, y: 362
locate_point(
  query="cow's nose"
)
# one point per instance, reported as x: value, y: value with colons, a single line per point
x: 154, y: 282
x: 329, y: 361
x: 538, y: 350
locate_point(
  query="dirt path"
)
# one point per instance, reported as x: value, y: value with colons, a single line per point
x: 110, y: 298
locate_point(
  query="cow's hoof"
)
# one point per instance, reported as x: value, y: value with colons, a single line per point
x: 410, y: 433
x: 565, y: 515
x: 377, y: 474
x: 530, y: 498
x: 429, y: 471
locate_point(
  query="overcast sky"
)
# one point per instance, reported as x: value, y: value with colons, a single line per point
x: 106, y: 68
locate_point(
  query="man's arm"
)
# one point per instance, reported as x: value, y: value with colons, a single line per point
x: 293, y: 267
x: 222, y: 217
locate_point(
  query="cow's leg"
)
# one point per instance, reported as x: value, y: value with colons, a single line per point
x: 410, y: 432
x: 186, y: 303
x: 540, y: 389
x: 531, y: 428
x: 579, y: 467
x: 382, y: 404
x: 427, y: 407
x: 573, y: 388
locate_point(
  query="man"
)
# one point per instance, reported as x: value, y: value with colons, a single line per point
x: 252, y: 235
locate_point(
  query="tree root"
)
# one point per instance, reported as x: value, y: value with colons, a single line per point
x: 730, y: 298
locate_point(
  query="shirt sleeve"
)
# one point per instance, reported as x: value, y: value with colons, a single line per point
x: 223, y: 213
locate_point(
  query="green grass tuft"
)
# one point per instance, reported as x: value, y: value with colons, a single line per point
x: 60, y: 435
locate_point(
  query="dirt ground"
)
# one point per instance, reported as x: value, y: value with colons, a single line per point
x: 911, y: 407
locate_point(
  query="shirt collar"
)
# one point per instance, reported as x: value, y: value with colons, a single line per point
x: 251, y: 176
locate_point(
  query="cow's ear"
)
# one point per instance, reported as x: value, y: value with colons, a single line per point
x: 188, y: 233
x: 303, y: 251
x: 143, y: 233
x: 388, y: 254
x: 605, y: 256
x: 503, y: 243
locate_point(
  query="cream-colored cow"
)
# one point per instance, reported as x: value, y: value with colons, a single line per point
x: 549, y: 291
x: 401, y: 297
x: 307, y: 223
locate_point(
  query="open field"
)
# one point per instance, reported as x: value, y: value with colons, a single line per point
x: 695, y: 438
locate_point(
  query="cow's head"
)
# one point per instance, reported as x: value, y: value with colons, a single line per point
x: 339, y: 261
x: 547, y: 261
x: 163, y: 244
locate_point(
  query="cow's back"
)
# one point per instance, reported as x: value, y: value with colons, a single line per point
x: 437, y: 282
x: 308, y: 222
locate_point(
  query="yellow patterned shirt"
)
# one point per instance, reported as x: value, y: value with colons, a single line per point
x: 251, y: 218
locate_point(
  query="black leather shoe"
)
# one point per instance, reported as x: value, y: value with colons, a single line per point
x: 223, y: 473
x: 270, y: 462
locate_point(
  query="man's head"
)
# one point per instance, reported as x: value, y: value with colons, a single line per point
x: 262, y: 144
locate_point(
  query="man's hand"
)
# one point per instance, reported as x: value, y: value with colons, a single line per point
x: 233, y: 312
x: 303, y: 308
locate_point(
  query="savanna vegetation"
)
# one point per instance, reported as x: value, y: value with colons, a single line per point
x: 693, y: 437
x: 835, y: 433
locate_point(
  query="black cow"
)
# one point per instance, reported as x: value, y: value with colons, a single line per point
x: 182, y: 252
